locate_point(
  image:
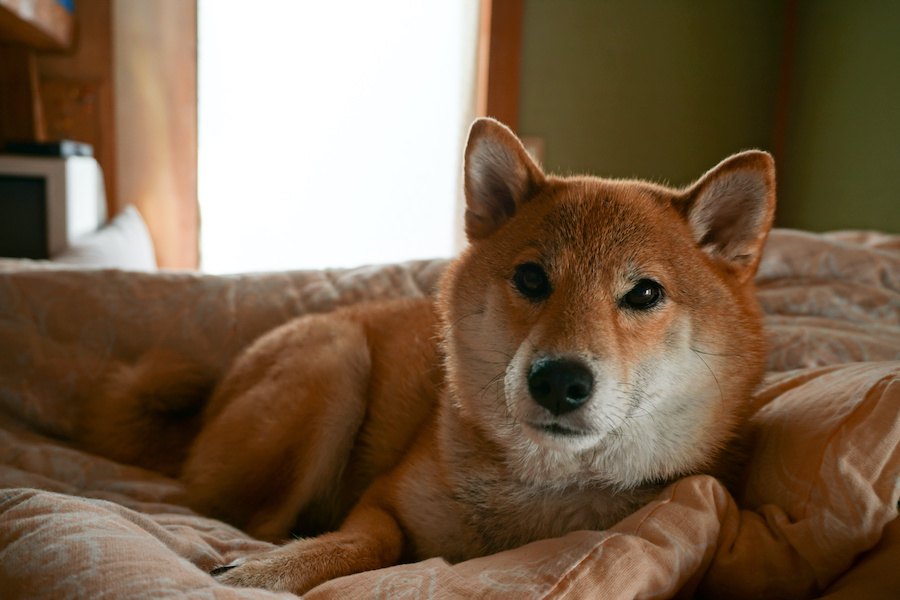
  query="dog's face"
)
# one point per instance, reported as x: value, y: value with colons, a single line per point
x: 604, y: 329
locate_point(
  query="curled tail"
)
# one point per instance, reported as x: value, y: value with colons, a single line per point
x: 149, y: 412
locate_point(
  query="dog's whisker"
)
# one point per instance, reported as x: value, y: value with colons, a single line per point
x: 492, y: 382
x: 452, y: 326
x: 721, y: 354
x: 711, y: 372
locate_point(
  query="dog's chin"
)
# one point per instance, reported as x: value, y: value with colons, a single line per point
x: 559, y: 436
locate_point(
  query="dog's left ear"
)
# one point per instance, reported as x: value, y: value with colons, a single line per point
x: 730, y: 210
x: 499, y: 177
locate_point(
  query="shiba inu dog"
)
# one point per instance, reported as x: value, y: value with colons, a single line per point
x: 596, y: 340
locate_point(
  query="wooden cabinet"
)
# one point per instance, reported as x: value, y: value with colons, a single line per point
x: 57, y: 80
x: 119, y: 75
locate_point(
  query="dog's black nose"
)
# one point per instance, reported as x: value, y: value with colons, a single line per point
x: 559, y: 384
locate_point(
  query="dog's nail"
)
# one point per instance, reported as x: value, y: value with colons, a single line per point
x: 223, y: 568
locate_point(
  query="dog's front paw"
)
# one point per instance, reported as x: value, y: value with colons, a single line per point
x: 295, y: 567
x: 271, y: 570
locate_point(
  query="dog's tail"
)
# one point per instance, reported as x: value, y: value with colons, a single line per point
x: 149, y: 412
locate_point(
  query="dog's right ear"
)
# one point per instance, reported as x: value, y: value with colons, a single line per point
x: 499, y: 177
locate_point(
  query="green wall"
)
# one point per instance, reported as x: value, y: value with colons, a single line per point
x: 664, y: 89
x: 841, y: 167
x: 648, y: 88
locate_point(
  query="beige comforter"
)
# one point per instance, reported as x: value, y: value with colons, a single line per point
x: 814, y: 516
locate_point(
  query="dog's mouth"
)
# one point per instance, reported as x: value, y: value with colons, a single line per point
x: 555, y: 429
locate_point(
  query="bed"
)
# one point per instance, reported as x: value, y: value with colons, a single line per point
x: 815, y: 515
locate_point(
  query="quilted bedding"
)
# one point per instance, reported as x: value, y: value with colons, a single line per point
x: 816, y: 515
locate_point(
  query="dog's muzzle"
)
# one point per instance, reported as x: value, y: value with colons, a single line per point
x: 560, y: 384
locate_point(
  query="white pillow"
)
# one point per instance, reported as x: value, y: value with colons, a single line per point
x: 123, y: 243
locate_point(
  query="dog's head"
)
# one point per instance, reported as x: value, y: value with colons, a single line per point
x: 604, y: 328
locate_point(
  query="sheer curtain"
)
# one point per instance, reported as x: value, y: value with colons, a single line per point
x: 331, y: 133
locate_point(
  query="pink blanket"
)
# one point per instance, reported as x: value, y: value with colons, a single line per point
x: 816, y: 516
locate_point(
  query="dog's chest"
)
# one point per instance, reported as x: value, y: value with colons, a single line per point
x: 506, y: 514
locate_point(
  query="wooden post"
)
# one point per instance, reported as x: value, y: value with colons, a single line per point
x: 499, y: 60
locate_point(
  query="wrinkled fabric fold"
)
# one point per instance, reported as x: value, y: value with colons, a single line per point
x: 815, y: 514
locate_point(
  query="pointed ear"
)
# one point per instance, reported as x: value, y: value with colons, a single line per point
x: 499, y: 177
x: 730, y: 210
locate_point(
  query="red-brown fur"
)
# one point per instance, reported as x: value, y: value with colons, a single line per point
x: 405, y: 430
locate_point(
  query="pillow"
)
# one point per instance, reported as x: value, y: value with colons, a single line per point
x: 123, y: 243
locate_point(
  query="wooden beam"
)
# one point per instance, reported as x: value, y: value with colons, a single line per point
x: 500, y: 60
x: 785, y: 78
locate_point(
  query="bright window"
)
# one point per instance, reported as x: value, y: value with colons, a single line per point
x: 331, y: 133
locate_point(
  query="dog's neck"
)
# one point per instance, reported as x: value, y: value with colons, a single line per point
x: 524, y: 498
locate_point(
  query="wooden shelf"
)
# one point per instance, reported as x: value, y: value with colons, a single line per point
x: 37, y: 24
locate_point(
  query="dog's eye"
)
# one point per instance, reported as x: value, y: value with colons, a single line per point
x: 646, y: 294
x: 532, y: 282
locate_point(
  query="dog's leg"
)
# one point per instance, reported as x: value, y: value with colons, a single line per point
x: 370, y: 538
x: 282, y: 429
